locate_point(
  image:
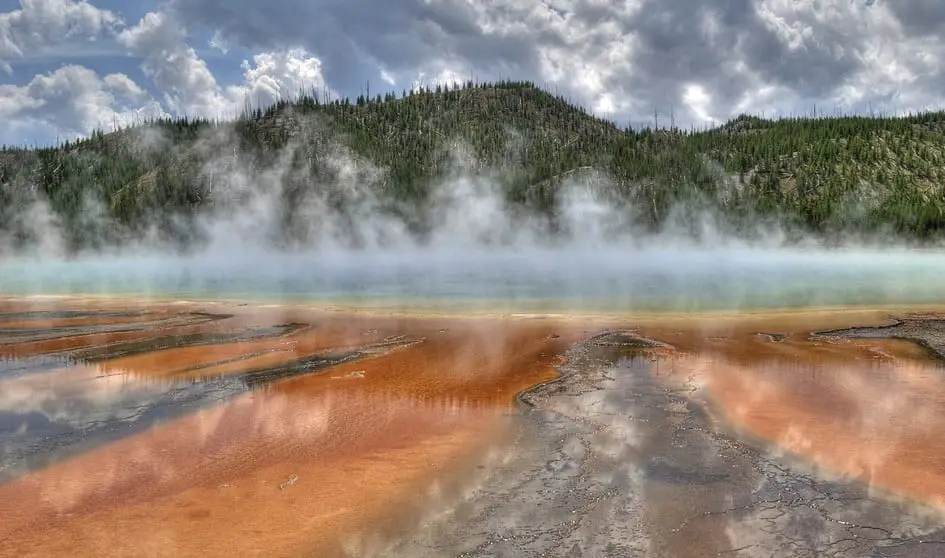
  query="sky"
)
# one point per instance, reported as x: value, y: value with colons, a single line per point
x: 68, y: 67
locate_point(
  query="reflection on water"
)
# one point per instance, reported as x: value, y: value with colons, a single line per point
x: 274, y: 426
x: 874, y: 420
x: 46, y: 417
x: 16, y: 366
x: 56, y: 405
x: 286, y: 431
x: 37, y: 329
x: 274, y: 462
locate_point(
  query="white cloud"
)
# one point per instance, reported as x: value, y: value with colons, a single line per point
x: 699, y: 102
x: 190, y: 88
x: 275, y: 75
x: 41, y: 24
x: 184, y: 78
x: 73, y: 101
x: 709, y: 61
x: 626, y: 58
x: 218, y: 42
x: 125, y: 88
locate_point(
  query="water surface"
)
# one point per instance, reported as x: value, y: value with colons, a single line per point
x: 598, y: 279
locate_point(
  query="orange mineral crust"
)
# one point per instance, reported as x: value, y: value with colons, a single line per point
x: 308, y: 464
x: 339, y: 426
x: 871, y: 410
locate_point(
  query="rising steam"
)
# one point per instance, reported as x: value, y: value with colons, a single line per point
x: 278, y: 230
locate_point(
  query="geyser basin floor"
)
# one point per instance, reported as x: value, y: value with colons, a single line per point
x: 344, y: 417
x: 364, y: 434
x: 619, y: 458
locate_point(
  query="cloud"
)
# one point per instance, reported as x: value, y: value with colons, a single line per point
x: 189, y: 86
x: 72, y: 101
x: 185, y: 80
x: 918, y: 17
x: 41, y: 25
x: 627, y: 59
x: 275, y: 75
x: 125, y: 87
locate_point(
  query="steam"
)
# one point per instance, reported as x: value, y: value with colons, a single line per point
x: 315, y: 194
x: 313, y: 221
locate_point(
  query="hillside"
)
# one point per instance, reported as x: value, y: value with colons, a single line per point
x: 823, y: 176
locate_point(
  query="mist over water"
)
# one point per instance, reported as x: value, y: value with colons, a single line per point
x: 505, y: 279
x: 479, y: 253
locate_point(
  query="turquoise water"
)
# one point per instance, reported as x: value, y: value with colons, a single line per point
x: 533, y: 281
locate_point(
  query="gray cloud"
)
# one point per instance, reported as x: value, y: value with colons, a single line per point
x: 925, y: 17
x: 623, y: 59
x: 357, y: 38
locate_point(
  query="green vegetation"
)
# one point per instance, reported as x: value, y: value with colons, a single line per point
x: 826, y: 176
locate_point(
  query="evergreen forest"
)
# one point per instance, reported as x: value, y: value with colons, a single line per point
x: 828, y: 177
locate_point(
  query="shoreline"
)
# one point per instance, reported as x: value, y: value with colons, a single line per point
x: 369, y: 310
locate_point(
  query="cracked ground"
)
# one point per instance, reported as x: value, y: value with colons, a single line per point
x: 613, y: 460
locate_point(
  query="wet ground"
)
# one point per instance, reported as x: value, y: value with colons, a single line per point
x: 612, y: 460
x: 220, y: 429
x: 235, y: 430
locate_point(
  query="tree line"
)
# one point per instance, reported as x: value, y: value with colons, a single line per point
x: 824, y: 176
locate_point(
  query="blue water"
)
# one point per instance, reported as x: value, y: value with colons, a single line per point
x: 591, y: 280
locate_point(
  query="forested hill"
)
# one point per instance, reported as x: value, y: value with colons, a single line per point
x: 817, y: 175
